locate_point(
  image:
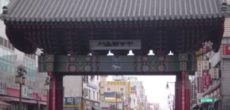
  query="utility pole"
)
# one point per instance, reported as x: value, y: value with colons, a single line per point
x: 116, y: 100
x: 123, y: 101
x: 20, y: 96
x: 20, y: 79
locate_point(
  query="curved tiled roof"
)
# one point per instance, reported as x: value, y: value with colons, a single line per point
x: 110, y: 10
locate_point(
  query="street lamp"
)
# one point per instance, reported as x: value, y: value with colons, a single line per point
x: 20, y: 79
x: 47, y: 85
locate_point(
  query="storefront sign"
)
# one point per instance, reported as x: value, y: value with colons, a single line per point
x: 207, y: 100
x: 71, y: 102
x: 113, y: 100
x: 115, y: 44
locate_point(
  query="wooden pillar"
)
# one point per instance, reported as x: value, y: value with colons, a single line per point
x: 182, y: 92
x: 56, y: 92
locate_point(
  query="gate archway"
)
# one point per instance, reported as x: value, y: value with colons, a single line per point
x: 67, y: 31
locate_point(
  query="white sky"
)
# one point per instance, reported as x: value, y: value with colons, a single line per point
x: 155, y: 89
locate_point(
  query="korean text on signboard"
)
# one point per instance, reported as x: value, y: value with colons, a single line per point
x: 115, y: 44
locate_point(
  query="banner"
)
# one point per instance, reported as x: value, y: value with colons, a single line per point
x: 200, y: 84
x: 206, y: 79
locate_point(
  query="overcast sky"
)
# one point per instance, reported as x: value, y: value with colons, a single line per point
x: 155, y: 89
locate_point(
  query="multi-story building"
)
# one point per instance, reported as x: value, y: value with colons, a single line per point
x: 155, y: 106
x: 81, y: 92
x: 212, y: 76
x: 34, y: 93
x: 115, y: 94
x: 138, y: 98
x: 123, y: 93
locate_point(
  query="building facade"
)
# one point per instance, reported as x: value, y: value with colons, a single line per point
x: 34, y: 92
x: 212, y: 78
x: 115, y: 94
x: 81, y: 92
x: 126, y: 93
x: 138, y: 100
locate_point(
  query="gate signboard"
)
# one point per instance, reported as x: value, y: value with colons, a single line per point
x: 115, y: 44
x: 115, y: 64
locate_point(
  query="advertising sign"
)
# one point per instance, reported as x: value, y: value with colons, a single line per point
x: 207, y: 100
x: 71, y: 102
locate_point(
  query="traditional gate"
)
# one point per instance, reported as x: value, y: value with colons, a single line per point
x: 67, y: 30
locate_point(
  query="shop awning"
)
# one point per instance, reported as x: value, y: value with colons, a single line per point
x: 195, y: 106
x: 3, y: 104
x: 16, y: 99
